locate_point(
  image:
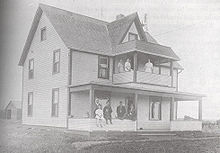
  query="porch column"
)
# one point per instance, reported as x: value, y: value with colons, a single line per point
x: 176, y: 110
x: 135, y: 67
x: 200, y: 110
x: 172, y: 109
x: 91, y: 100
x: 171, y: 72
x: 136, y: 108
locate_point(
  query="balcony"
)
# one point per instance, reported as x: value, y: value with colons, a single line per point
x: 142, y: 77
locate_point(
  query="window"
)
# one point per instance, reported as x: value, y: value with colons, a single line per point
x: 55, y: 102
x: 132, y: 36
x: 30, y: 104
x: 155, y: 108
x: 43, y: 34
x: 56, y: 61
x: 103, y: 67
x: 31, y: 69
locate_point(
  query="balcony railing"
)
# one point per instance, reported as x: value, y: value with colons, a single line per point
x: 142, y: 77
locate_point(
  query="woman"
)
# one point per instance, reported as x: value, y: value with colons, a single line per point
x: 99, y: 116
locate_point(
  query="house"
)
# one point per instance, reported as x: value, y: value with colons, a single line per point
x: 13, y: 110
x: 70, y: 61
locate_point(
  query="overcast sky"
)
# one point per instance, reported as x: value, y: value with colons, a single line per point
x: 191, y: 28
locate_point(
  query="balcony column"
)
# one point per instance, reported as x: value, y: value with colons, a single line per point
x: 172, y: 109
x: 91, y: 101
x: 200, y: 110
x: 135, y: 67
x: 171, y: 72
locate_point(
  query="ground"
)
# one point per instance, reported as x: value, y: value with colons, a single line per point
x: 17, y: 138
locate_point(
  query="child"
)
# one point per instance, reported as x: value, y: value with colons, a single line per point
x: 99, y: 116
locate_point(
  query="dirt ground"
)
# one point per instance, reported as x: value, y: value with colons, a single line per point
x: 18, y: 138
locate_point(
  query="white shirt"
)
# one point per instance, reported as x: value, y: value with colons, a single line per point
x: 149, y: 67
x: 127, y: 66
x: 99, y: 114
x: 120, y: 67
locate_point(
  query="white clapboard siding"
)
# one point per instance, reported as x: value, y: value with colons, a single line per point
x: 123, y: 77
x: 156, y: 79
x: 154, y: 125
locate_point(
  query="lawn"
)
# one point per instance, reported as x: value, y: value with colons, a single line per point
x: 19, y: 138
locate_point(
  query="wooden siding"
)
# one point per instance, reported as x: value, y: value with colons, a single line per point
x: 43, y: 82
x: 185, y: 125
x: 85, y: 68
x: 151, y: 78
x: 124, y: 77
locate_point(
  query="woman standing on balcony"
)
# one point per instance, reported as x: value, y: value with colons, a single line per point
x: 127, y: 65
x: 149, y: 67
x: 120, y: 66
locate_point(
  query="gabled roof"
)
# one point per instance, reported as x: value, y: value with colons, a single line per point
x: 83, y: 33
x: 16, y: 104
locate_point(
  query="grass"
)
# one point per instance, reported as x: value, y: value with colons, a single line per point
x: 18, y: 138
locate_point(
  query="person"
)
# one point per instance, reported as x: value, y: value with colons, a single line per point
x: 99, y: 116
x: 127, y: 65
x: 121, y: 111
x: 107, y: 112
x: 149, y: 67
x: 120, y: 66
x: 132, y: 113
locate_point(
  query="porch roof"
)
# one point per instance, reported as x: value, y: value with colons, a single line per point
x: 146, y: 47
x: 124, y: 88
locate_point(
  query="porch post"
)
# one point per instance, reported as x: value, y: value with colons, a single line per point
x: 91, y: 100
x: 172, y: 109
x: 171, y: 72
x: 176, y: 110
x: 200, y: 110
x: 135, y: 67
x: 136, y: 108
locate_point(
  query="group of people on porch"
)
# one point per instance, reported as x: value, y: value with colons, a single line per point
x: 106, y: 113
x: 126, y: 67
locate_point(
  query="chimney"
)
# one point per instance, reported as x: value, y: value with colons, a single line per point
x: 119, y: 16
x: 144, y: 24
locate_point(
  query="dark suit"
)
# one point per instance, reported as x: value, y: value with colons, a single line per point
x: 107, y: 111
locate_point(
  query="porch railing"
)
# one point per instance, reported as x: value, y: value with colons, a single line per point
x: 142, y: 77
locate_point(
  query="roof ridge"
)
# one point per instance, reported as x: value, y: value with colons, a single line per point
x: 68, y: 11
x: 135, y: 13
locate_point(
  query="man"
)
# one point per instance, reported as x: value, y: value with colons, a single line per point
x: 107, y: 112
x: 127, y: 65
x: 149, y: 67
x: 120, y: 66
x: 121, y: 111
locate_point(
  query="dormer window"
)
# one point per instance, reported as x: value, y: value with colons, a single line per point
x: 43, y: 34
x: 103, y: 67
x: 132, y: 36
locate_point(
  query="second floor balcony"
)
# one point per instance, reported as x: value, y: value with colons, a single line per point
x: 138, y: 54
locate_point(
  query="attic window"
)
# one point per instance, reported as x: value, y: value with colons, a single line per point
x: 43, y: 34
x: 132, y: 36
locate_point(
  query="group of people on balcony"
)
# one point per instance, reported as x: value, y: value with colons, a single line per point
x: 105, y: 113
x: 126, y: 67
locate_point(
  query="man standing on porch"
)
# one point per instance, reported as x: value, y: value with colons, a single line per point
x: 107, y: 112
x: 121, y: 111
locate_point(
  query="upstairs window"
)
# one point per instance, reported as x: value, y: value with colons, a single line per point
x: 132, y: 36
x: 43, y: 35
x: 56, y: 61
x: 155, y: 108
x: 103, y: 67
x: 30, y: 104
x: 31, y: 69
x: 55, y: 102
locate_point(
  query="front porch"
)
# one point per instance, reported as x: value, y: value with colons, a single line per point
x: 155, y: 110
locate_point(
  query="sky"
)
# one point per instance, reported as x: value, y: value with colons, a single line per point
x: 190, y: 28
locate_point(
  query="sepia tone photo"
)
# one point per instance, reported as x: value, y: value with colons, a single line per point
x: 110, y: 76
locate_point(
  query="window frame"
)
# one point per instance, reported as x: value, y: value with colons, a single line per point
x: 53, y: 67
x: 151, y: 100
x: 30, y: 70
x: 55, y: 113
x: 134, y: 34
x: 30, y: 106
x: 44, y: 29
x: 100, y: 67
